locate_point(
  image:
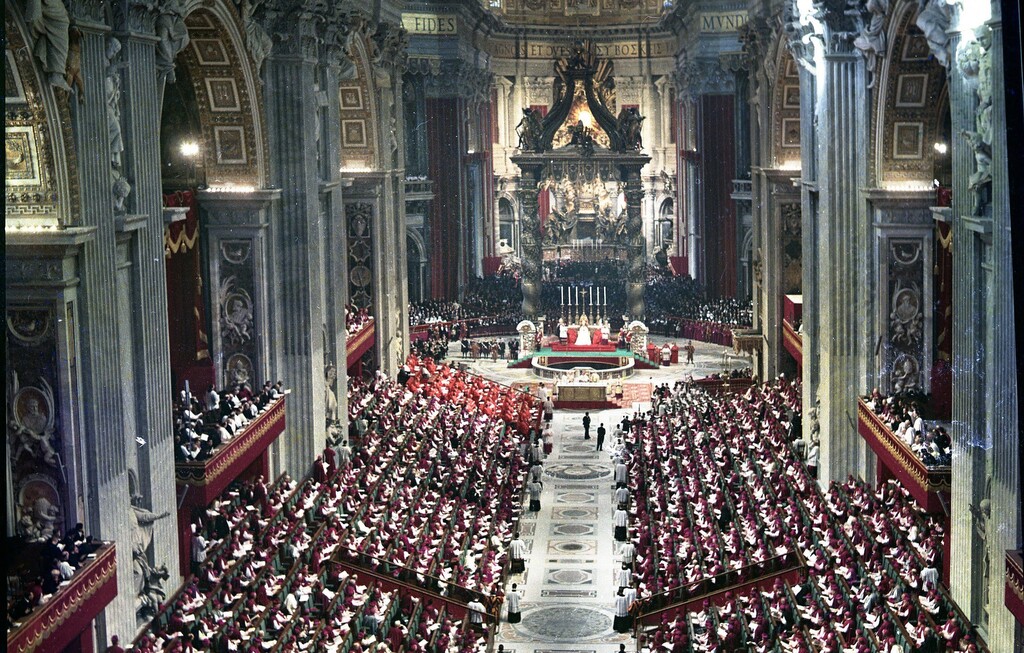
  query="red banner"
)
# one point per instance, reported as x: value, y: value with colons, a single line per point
x: 186, y: 312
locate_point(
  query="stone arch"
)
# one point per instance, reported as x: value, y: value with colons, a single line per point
x: 40, y: 190
x: 228, y: 95
x: 665, y: 218
x: 508, y: 213
x: 784, y: 113
x: 360, y: 142
x: 908, y: 102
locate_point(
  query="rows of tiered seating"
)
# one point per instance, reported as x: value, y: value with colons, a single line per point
x: 427, y: 496
x: 719, y: 488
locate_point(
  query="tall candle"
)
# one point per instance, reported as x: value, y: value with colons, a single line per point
x: 606, y: 295
x: 577, y: 295
x: 561, y: 294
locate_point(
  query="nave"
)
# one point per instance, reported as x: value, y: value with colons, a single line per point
x: 568, y: 587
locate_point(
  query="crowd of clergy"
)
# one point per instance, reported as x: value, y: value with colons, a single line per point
x: 719, y: 496
x: 425, y: 493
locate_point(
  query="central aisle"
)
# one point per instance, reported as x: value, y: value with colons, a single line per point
x: 569, y: 585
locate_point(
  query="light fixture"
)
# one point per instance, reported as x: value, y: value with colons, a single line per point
x: 586, y: 118
x: 189, y: 149
x: 941, y: 148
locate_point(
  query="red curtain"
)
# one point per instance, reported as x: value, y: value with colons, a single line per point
x: 717, y: 172
x: 186, y: 313
x: 942, y: 372
x: 543, y: 206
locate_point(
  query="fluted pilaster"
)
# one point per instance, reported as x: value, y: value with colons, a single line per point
x: 969, y: 355
x: 843, y: 261
x: 1004, y: 528
x: 102, y: 401
x: 297, y: 235
x: 336, y: 242
x: 149, y: 335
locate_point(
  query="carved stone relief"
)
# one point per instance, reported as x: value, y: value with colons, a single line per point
x: 359, y: 216
x: 237, y: 310
x: 905, y: 314
x: 34, y: 439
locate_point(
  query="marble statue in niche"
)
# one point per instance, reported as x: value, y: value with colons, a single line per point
x: 39, y: 508
x: 148, y: 579
x: 236, y: 313
x: 30, y: 424
x: 49, y: 23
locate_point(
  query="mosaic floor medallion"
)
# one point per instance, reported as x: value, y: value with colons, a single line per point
x: 573, y: 547
x: 565, y: 623
x: 579, y: 447
x: 569, y: 577
x: 574, y: 512
x: 577, y: 471
x: 575, y: 497
x: 572, y: 529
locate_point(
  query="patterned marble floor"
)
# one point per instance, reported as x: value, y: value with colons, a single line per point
x: 568, y: 587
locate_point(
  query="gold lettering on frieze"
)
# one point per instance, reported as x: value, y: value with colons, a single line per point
x: 434, y: 24
x: 505, y: 49
x: 718, y: 23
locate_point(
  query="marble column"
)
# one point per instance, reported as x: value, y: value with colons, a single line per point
x: 391, y: 285
x: 1004, y: 528
x: 970, y: 323
x: 148, y: 308
x: 336, y: 242
x: 102, y: 406
x: 297, y: 314
x: 844, y: 261
x: 530, y: 238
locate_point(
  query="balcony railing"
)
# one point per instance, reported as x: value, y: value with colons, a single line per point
x: 57, y: 623
x: 358, y: 343
x: 211, y: 476
x: 1014, y: 597
x: 419, y: 190
x: 924, y: 483
x: 793, y: 342
x: 741, y: 190
x: 682, y: 599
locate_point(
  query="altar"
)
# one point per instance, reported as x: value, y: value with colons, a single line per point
x: 574, y: 395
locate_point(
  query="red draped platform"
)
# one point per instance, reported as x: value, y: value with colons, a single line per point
x: 581, y: 348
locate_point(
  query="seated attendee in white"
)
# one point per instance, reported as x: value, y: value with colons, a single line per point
x: 583, y: 334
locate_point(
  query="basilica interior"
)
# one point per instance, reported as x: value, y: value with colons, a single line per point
x: 513, y: 325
